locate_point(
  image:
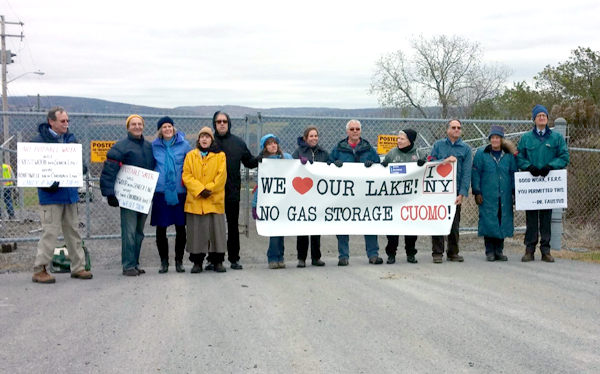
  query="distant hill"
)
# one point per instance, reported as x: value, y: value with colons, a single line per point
x: 85, y: 105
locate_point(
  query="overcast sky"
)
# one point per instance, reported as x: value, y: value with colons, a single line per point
x: 267, y: 54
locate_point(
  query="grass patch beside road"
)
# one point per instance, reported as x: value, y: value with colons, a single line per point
x: 591, y: 256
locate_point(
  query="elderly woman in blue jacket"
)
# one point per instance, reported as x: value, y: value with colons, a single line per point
x: 493, y: 184
x: 271, y: 149
x: 169, y: 149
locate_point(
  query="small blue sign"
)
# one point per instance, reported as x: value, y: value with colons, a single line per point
x: 398, y: 169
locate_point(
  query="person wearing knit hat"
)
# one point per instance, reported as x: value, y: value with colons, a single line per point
x: 134, y: 150
x: 493, y: 181
x: 404, y: 152
x: 540, y: 151
x: 205, y: 176
x: 169, y: 148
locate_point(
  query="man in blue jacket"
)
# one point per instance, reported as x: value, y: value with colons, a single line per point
x: 540, y: 151
x: 453, y: 149
x: 58, y: 208
x: 355, y: 149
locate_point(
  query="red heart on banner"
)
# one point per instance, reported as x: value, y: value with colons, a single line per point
x: 444, y: 169
x: 302, y: 185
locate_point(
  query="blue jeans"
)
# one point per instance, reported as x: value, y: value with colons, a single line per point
x: 276, y: 248
x: 8, y: 201
x: 132, y: 234
x: 370, y: 243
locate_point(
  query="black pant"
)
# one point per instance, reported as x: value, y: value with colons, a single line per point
x: 232, y: 212
x: 163, y: 243
x: 409, y: 245
x: 437, y: 242
x: 493, y: 246
x: 315, y: 247
x: 535, y: 219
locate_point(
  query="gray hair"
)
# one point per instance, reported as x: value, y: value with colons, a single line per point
x: 53, y: 111
x: 351, y: 122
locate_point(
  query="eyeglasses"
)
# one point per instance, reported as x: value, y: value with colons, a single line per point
x: 354, y: 129
x: 455, y: 127
x: 64, y: 121
x: 221, y: 121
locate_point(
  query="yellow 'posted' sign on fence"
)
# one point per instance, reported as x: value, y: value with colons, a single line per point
x: 385, y: 143
x: 99, y: 148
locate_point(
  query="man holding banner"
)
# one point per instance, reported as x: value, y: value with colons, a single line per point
x: 453, y: 150
x: 540, y: 151
x: 355, y: 149
x: 58, y: 207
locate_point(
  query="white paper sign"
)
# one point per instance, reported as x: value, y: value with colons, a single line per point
x: 134, y: 188
x: 536, y: 193
x: 321, y: 199
x: 42, y: 164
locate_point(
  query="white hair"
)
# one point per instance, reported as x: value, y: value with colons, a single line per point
x: 351, y: 122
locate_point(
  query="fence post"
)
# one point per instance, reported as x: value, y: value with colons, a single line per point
x: 560, y: 126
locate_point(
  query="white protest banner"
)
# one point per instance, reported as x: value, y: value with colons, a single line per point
x: 321, y: 199
x: 134, y: 188
x: 536, y: 193
x: 42, y: 164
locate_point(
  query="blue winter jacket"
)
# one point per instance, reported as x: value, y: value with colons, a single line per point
x: 444, y: 148
x: 181, y: 147
x: 64, y: 195
x: 361, y: 153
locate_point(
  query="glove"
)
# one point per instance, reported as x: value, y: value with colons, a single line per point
x: 421, y: 162
x: 478, y: 199
x: 259, y: 158
x: 384, y: 163
x: 338, y: 163
x: 205, y: 193
x: 112, y: 200
x: 534, y: 170
x: 545, y: 170
x: 303, y: 160
x: 368, y: 163
x: 254, y: 214
x: 52, y: 188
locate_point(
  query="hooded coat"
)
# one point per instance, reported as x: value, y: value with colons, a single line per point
x: 181, y: 147
x: 494, y: 179
x: 315, y: 154
x: 237, y: 152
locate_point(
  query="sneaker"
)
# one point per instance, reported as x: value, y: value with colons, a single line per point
x: 437, y: 259
x: 343, y: 262
x: 454, y: 257
x: 43, y: 277
x: 131, y: 272
x: 236, y: 266
x: 274, y: 265
x: 219, y: 268
x: 391, y: 260
x: 179, y: 267
x: 411, y: 259
x: 281, y: 264
x: 140, y: 271
x: 197, y: 268
x: 375, y: 260
x: 528, y: 256
x: 301, y: 264
x: 501, y: 257
x: 82, y: 274
x: 318, y: 262
x: 490, y: 257
x: 209, y: 266
x: 547, y: 257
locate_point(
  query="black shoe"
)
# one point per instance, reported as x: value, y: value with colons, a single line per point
x: 219, y: 268
x: 411, y: 259
x: 141, y: 271
x: 164, y: 266
x: 501, y: 257
x: 376, y: 260
x: 236, y: 266
x: 209, y: 266
x: 179, y: 267
x: 318, y: 262
x: 197, y: 268
x: 490, y: 257
x: 343, y: 262
x: 391, y: 260
x: 131, y: 272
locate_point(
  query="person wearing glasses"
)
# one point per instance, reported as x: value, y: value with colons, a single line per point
x: 453, y: 150
x: 540, y: 151
x: 355, y: 149
x: 58, y: 208
x: 237, y: 153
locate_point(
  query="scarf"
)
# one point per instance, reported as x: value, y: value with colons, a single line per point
x: 407, y: 149
x: 170, y: 176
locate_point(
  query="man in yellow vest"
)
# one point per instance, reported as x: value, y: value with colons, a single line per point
x: 7, y: 173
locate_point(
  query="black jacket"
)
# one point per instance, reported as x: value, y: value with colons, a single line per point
x: 317, y: 153
x: 128, y: 151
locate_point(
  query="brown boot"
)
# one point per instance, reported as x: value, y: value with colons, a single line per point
x: 527, y: 257
x: 547, y: 257
x: 82, y: 274
x: 43, y: 277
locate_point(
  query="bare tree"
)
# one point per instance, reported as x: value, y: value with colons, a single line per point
x: 443, y: 69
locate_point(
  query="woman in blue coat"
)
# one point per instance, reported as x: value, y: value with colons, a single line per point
x: 169, y: 150
x: 493, y: 184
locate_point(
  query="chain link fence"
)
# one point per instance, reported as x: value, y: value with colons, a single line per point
x: 100, y: 221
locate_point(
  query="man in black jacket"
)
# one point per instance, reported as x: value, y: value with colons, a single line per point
x: 236, y: 151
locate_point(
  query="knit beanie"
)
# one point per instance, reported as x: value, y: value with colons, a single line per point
x: 539, y: 109
x: 496, y: 130
x: 162, y: 121
x: 134, y: 116
x: 206, y: 130
x: 410, y: 134
x: 264, y: 139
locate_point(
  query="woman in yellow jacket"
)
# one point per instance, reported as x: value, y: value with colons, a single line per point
x: 204, y: 175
